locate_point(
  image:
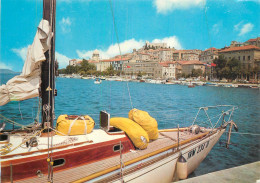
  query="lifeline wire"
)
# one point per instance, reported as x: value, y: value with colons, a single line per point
x: 245, y: 133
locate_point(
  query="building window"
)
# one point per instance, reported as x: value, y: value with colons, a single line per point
x: 238, y: 57
x: 248, y: 57
x: 244, y: 58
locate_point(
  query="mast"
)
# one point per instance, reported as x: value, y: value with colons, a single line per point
x: 48, y: 67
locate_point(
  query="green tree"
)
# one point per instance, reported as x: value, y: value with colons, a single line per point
x: 196, y: 72
x: 110, y: 70
x: 139, y: 74
x: 234, y: 67
x: 86, y: 66
x: 220, y: 65
x: 70, y: 69
x: 62, y: 71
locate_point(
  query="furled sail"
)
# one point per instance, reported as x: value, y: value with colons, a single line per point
x: 26, y: 85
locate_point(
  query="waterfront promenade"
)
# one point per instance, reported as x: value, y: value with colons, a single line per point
x: 245, y: 173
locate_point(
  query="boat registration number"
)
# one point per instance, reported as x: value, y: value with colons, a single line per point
x: 198, y: 149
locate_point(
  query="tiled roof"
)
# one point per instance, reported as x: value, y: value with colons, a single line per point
x: 247, y: 47
x: 93, y: 61
x: 213, y: 49
x: 164, y: 64
x: 190, y: 62
x: 252, y: 40
x: 115, y: 59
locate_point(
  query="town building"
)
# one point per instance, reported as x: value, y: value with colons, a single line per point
x: 149, y: 45
x: 145, y: 67
x: 188, y: 66
x: 168, y: 70
x: 74, y: 62
x: 236, y: 44
x: 248, y: 55
x: 255, y: 42
x: 166, y: 54
x: 179, y: 55
x: 208, y: 55
x: 95, y: 55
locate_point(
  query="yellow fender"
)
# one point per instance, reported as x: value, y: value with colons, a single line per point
x: 135, y: 132
x: 148, y: 123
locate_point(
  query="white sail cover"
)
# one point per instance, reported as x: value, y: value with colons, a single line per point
x: 26, y: 85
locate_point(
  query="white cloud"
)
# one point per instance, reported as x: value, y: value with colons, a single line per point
x: 216, y: 28
x: 113, y: 50
x: 171, y: 41
x: 246, y: 28
x: 237, y: 26
x: 4, y: 66
x: 22, y: 52
x: 62, y: 59
x: 65, y: 24
x: 164, y: 6
x: 243, y: 28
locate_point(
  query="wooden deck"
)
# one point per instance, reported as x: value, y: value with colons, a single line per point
x: 165, y: 140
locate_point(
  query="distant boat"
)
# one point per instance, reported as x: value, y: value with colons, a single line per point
x: 76, y: 76
x: 97, y: 81
x: 191, y: 85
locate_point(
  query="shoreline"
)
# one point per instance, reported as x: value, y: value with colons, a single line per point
x: 169, y: 82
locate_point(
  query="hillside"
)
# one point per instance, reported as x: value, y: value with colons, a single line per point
x: 7, y: 71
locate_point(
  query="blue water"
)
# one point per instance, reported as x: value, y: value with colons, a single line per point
x: 169, y: 104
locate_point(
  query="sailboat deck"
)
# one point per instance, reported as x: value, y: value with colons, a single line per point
x: 165, y: 139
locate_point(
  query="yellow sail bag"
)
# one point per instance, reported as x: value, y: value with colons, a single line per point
x: 134, y: 131
x: 148, y: 123
x: 74, y: 125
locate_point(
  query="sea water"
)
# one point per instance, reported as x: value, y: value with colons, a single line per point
x: 171, y: 105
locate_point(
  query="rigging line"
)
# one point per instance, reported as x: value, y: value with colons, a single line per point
x: 206, y: 18
x: 10, y: 121
x: 114, y: 23
x: 129, y: 95
x: 110, y: 2
x: 20, y: 110
x: 256, y: 134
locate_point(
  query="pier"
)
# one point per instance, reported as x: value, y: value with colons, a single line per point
x: 245, y: 173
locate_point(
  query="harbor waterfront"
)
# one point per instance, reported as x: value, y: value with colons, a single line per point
x: 168, y: 104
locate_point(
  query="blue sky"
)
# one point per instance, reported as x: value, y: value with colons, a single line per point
x: 86, y: 25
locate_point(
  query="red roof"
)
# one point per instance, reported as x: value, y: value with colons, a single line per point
x: 115, y: 59
x: 213, y: 49
x: 253, y: 40
x: 164, y: 64
x: 92, y: 61
x: 144, y: 53
x: 247, y: 47
x: 191, y: 62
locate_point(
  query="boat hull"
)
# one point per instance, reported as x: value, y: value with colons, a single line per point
x: 164, y: 170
